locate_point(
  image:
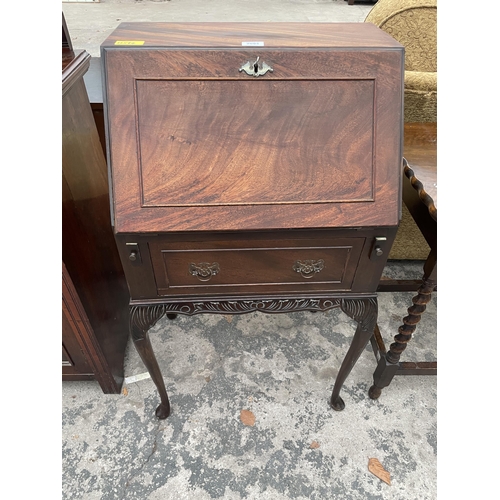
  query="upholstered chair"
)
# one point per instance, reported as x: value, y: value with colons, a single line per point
x: 413, y: 23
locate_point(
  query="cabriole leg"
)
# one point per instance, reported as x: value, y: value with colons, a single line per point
x: 364, y: 311
x: 142, y: 318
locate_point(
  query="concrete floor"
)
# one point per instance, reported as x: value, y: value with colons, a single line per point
x: 280, y: 367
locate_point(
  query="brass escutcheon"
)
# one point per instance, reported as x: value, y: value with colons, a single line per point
x: 308, y: 268
x: 204, y: 270
x: 253, y: 69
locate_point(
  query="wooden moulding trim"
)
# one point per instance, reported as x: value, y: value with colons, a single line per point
x: 181, y: 301
x: 75, y: 70
x: 146, y: 315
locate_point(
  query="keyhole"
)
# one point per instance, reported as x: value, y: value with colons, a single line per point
x: 256, y: 65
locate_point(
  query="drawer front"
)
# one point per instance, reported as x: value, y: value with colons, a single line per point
x: 244, y: 266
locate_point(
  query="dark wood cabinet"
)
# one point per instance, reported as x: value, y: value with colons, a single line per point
x: 76, y: 332
x: 82, y: 354
x: 94, y: 290
x: 253, y: 167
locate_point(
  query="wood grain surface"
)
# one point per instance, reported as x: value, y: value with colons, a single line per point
x: 357, y: 35
x: 247, y: 144
x: 266, y: 265
x: 195, y: 144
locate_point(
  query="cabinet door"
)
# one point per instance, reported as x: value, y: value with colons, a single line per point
x: 75, y: 327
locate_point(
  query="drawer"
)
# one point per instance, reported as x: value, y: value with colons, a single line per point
x: 224, y: 267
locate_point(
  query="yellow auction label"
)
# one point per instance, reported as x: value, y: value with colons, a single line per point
x: 129, y: 42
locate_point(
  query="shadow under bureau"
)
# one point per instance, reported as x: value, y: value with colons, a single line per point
x: 253, y: 167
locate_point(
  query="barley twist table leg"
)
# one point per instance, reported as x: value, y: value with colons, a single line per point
x: 389, y: 363
x: 410, y: 322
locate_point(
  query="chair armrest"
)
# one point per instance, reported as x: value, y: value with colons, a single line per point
x: 424, y: 81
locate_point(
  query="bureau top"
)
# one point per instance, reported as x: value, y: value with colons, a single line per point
x: 270, y: 35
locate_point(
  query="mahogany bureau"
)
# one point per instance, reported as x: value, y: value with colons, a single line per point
x: 253, y: 167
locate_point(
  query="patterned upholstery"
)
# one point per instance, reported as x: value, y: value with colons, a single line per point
x: 413, y: 23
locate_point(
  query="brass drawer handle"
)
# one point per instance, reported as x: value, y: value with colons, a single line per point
x: 308, y: 268
x: 204, y: 270
x: 253, y: 69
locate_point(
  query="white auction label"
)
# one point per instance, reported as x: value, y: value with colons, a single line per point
x: 252, y: 44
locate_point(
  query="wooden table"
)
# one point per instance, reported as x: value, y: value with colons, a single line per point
x: 420, y: 197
